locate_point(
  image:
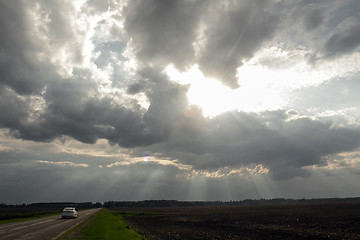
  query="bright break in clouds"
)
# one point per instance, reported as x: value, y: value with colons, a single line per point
x: 187, y: 100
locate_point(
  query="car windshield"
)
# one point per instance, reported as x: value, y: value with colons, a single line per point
x: 69, y: 209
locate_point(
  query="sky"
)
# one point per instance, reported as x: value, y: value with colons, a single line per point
x: 186, y: 100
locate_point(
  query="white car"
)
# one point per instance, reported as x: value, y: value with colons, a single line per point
x: 69, y: 212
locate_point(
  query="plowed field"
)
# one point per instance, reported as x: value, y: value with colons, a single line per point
x: 308, y: 221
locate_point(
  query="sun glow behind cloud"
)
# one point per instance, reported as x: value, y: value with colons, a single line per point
x: 263, y: 84
x: 214, y: 98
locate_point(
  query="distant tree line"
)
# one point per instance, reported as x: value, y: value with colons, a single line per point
x: 54, y: 205
x: 176, y: 203
x: 246, y: 202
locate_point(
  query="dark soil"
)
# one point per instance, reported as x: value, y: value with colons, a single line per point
x: 308, y: 221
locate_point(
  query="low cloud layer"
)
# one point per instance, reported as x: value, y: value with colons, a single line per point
x: 87, y: 72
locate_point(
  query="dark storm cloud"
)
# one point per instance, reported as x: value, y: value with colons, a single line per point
x: 233, y: 36
x: 239, y: 139
x: 326, y: 29
x: 72, y: 110
x: 346, y: 41
x: 314, y: 19
x: 70, y: 106
x: 167, y: 103
x: 164, y: 31
x: 13, y: 109
x: 134, y: 88
x: 19, y: 67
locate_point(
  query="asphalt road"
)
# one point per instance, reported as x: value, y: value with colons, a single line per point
x: 47, y: 228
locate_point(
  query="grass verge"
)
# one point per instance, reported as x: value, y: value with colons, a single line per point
x: 103, y: 225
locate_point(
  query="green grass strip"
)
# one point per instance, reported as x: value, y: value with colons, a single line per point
x: 105, y: 225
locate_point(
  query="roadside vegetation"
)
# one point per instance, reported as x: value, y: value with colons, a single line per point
x: 18, y: 215
x: 105, y: 225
